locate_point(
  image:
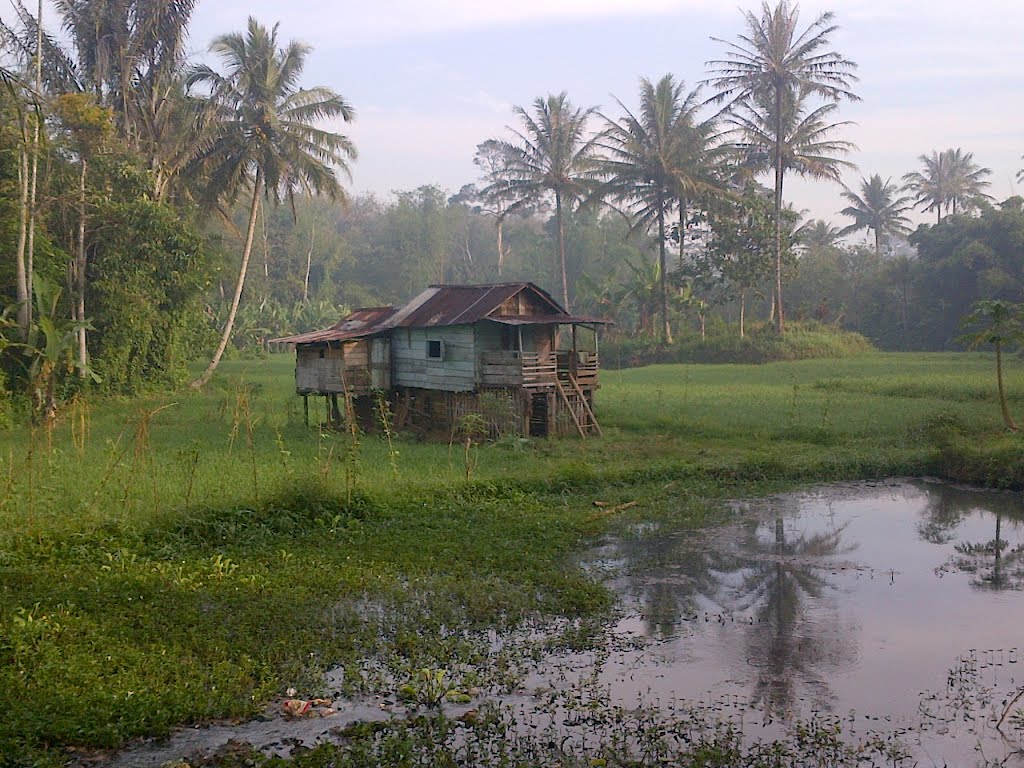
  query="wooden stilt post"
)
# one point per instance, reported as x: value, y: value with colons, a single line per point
x: 305, y: 408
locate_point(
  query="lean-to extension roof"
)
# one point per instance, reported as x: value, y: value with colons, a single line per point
x: 361, y: 323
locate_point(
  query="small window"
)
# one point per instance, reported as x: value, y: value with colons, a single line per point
x: 434, y: 349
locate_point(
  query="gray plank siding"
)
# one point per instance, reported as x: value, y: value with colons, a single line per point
x: 455, y: 371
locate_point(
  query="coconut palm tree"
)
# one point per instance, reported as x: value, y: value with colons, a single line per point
x: 702, y: 176
x: 552, y: 156
x: 878, y: 208
x: 805, y: 148
x: 1000, y: 323
x: 817, y: 233
x: 263, y: 135
x: 950, y: 182
x: 649, y: 163
x: 774, y: 67
x: 966, y: 182
x: 129, y: 53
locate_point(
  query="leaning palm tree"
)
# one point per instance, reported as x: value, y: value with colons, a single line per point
x: 649, y: 163
x: 774, y: 63
x: 878, y: 208
x: 263, y: 135
x: 552, y: 156
x: 949, y: 182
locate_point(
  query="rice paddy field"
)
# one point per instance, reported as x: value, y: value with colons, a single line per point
x: 187, y: 558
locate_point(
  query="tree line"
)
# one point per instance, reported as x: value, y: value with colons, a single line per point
x: 138, y: 188
x: 119, y: 157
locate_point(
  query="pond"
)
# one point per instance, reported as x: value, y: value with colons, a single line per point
x: 887, y: 606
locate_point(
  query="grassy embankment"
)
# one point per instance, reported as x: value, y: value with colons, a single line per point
x: 183, y: 558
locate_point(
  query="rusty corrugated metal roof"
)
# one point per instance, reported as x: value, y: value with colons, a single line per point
x: 548, y: 320
x: 363, y: 322
x: 442, y: 305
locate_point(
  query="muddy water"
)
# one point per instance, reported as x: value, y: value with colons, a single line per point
x: 880, y: 607
x: 887, y: 607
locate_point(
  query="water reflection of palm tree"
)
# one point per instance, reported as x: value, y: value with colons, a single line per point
x: 991, y: 563
x: 766, y: 580
x: 785, y: 645
x: 671, y: 575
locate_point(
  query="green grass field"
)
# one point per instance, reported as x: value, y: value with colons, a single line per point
x: 181, y: 558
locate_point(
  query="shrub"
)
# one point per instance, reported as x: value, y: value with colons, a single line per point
x: 802, y: 341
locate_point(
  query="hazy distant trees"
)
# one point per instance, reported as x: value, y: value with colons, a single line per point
x: 916, y: 303
x: 949, y: 182
x: 878, y: 208
x: 495, y: 198
x: 767, y: 81
x: 818, y: 233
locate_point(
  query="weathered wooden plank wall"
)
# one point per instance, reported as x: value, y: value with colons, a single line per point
x: 454, y: 371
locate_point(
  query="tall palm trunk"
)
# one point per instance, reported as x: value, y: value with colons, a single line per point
x: 21, y: 274
x: 682, y: 232
x: 666, y: 329
x: 561, y: 250
x: 33, y: 183
x: 780, y: 325
x: 309, y: 262
x: 250, y: 234
x: 80, y: 276
x: 878, y: 243
x: 1007, y: 419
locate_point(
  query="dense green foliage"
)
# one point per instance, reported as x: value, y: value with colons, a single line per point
x: 150, y: 274
x: 916, y: 302
x: 145, y: 544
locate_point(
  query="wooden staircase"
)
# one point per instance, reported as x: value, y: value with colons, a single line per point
x: 575, y: 401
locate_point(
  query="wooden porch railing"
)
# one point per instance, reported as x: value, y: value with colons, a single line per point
x: 534, y: 371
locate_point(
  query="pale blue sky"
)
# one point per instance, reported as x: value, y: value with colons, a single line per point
x: 430, y: 80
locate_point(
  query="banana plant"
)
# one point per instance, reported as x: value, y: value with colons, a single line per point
x: 50, y: 349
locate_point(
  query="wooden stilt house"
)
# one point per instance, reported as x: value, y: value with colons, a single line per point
x: 507, y: 352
